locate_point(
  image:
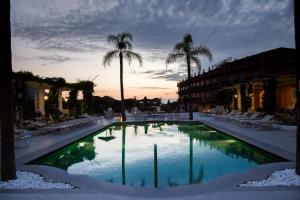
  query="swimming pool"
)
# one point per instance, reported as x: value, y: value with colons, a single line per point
x: 157, y: 154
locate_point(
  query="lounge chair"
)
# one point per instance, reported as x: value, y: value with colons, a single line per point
x: 38, y: 124
x: 264, y: 124
x: 234, y: 116
x: 246, y: 118
x: 239, y: 116
x: 251, y: 123
x: 22, y: 136
x: 222, y: 117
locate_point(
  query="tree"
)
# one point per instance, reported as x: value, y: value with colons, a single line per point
x: 123, y: 49
x: 8, y: 165
x: 87, y: 88
x: 51, y: 106
x: 269, y: 98
x: 296, y: 19
x: 186, y: 50
x: 73, y: 103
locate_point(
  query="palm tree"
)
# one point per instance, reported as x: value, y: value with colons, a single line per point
x: 8, y: 167
x: 123, y: 49
x: 186, y: 50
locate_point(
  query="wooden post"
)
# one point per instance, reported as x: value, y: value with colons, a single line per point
x: 296, y: 19
x: 8, y: 166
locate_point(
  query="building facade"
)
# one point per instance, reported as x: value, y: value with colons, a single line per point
x: 250, y: 83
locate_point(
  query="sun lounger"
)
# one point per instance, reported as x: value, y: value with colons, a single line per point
x: 38, y: 124
x: 225, y: 116
x: 250, y: 123
x: 22, y: 136
x: 249, y: 116
x: 238, y: 116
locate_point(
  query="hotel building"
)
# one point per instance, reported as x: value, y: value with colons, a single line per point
x: 248, y: 77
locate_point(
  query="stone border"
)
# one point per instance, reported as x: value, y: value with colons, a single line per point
x: 86, y: 184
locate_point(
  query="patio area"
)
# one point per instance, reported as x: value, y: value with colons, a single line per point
x: 281, y: 143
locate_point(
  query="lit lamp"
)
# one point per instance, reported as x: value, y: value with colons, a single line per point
x: 66, y: 100
x: 235, y: 96
x: 46, y: 98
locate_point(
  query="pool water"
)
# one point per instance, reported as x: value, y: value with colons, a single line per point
x: 187, y: 153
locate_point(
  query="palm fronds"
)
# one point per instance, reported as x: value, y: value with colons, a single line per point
x: 172, y: 57
x: 109, y: 56
x: 202, y: 50
x: 129, y: 55
x: 197, y: 61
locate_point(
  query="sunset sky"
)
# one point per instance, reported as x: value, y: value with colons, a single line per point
x: 68, y: 38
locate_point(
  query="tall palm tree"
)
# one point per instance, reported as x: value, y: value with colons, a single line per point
x: 123, y: 49
x: 8, y: 167
x: 186, y: 50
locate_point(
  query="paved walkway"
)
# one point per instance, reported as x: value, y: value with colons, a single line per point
x: 282, y: 143
x: 43, y: 144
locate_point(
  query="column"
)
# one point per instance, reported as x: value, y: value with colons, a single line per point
x: 41, y: 101
x: 239, y: 98
x: 60, y: 106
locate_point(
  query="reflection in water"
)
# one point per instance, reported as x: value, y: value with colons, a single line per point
x: 221, y: 142
x: 75, y: 153
x: 135, y: 129
x: 191, y: 160
x: 155, y: 167
x: 123, y: 154
x: 107, y: 137
x: 146, y: 129
x: 187, y: 154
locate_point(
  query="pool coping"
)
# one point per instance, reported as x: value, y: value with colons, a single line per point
x: 228, y: 182
x: 86, y: 184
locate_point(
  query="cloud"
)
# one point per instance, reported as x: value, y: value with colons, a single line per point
x: 152, y: 88
x: 176, y: 74
x: 230, y: 28
x: 54, y: 59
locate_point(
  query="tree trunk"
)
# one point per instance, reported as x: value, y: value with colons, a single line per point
x: 122, y: 88
x: 8, y: 167
x: 190, y: 87
x: 296, y: 19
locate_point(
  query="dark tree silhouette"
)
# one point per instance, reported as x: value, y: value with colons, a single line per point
x: 186, y: 50
x: 296, y: 19
x: 123, y: 49
x: 8, y: 166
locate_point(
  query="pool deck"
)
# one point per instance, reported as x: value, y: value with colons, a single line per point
x: 281, y: 143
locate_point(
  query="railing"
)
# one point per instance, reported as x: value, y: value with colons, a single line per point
x: 157, y: 117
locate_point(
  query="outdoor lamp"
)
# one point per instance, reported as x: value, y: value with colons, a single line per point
x: 235, y: 96
x: 46, y: 98
x: 66, y: 100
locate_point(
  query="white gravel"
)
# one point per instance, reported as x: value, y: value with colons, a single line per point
x: 285, y: 177
x: 29, y: 180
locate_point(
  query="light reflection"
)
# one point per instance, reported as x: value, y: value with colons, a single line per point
x: 187, y: 154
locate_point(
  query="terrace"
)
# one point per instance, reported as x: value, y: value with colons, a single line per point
x: 281, y: 143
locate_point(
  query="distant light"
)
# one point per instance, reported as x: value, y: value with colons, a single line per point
x: 230, y: 141
x: 235, y: 96
x: 46, y: 98
x: 81, y: 144
x: 66, y: 100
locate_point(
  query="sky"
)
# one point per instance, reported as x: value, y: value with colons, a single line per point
x: 55, y: 38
